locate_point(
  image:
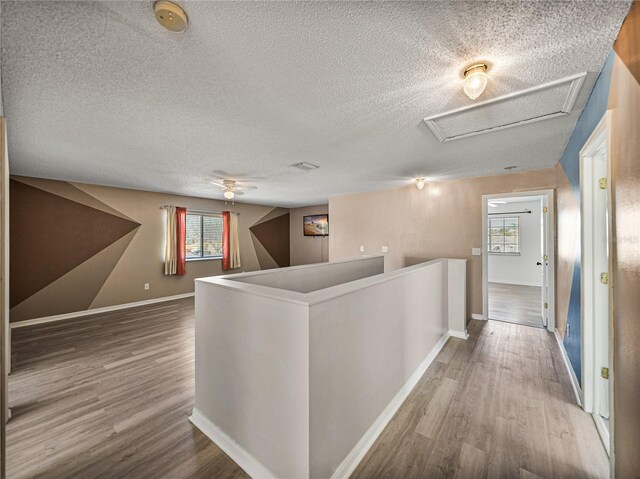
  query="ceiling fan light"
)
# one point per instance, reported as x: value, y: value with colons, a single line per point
x: 475, y: 80
x: 229, y: 194
x: 420, y: 183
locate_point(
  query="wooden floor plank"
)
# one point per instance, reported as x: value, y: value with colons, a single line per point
x: 109, y: 396
x: 512, y: 414
x: 516, y: 303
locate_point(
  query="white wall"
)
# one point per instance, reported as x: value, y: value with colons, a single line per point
x: 289, y: 384
x: 520, y: 269
x: 315, y: 277
x: 364, y: 347
x: 252, y: 376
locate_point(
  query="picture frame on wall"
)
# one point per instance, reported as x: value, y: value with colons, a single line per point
x: 316, y: 225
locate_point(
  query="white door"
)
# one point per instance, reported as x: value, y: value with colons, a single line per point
x: 595, y: 285
x: 601, y: 285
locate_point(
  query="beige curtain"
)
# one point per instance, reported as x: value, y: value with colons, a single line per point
x: 234, y: 243
x: 170, y: 256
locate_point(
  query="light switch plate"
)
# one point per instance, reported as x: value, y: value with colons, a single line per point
x: 385, y: 249
x: 476, y: 251
x: 146, y: 286
x: 362, y: 248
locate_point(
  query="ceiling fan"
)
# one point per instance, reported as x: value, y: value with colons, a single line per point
x: 231, y: 188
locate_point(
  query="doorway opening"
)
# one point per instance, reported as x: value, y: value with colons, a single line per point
x: 518, y: 271
x: 595, y: 284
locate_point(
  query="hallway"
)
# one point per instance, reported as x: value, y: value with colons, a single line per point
x: 499, y: 405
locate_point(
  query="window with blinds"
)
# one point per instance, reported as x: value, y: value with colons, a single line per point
x: 204, y: 236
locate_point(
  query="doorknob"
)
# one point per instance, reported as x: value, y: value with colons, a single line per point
x: 539, y: 263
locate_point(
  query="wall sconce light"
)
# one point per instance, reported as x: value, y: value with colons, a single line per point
x: 420, y: 183
x: 475, y: 80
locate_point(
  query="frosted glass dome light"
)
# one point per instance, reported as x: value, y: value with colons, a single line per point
x: 475, y: 80
x: 229, y: 194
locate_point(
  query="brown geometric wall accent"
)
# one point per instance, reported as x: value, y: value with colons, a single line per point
x: 70, y: 192
x: 271, y: 239
x: 76, y: 290
x: 56, y: 235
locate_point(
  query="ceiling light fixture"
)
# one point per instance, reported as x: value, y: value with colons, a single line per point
x: 475, y: 80
x: 170, y: 16
x: 304, y: 166
x: 420, y: 183
x: 229, y: 194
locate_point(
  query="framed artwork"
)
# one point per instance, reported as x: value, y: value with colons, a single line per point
x: 316, y: 225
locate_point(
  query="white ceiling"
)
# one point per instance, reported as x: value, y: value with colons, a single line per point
x: 98, y: 92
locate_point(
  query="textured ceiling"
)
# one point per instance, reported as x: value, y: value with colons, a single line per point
x: 98, y: 92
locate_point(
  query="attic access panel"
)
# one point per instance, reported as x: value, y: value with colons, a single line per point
x: 538, y: 103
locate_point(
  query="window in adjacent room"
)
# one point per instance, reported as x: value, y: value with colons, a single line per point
x: 204, y: 236
x: 504, y: 235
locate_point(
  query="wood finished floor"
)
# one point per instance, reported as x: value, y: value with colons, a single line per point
x: 516, y: 304
x: 498, y: 405
x: 110, y: 396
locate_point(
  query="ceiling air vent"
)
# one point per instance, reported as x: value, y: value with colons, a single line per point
x: 541, y: 102
x: 305, y: 166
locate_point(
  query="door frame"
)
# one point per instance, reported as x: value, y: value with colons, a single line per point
x: 5, y: 337
x: 601, y: 133
x: 550, y: 241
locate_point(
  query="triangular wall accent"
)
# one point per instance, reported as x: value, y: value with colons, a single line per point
x: 69, y: 232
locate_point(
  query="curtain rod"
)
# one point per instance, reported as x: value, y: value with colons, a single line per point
x: 198, y: 211
x: 511, y: 213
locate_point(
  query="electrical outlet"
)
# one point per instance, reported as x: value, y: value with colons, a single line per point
x: 362, y: 248
x: 568, y: 330
x: 476, y: 251
x: 385, y: 249
x: 146, y: 286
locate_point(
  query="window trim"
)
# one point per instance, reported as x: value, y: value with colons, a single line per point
x: 503, y: 253
x: 201, y: 214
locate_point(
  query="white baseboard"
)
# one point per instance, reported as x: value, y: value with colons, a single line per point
x: 237, y: 453
x: 459, y: 334
x: 572, y: 375
x: 89, y: 312
x: 349, y: 464
x: 603, y: 432
x: 477, y: 316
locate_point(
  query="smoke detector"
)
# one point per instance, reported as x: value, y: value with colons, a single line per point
x: 170, y: 16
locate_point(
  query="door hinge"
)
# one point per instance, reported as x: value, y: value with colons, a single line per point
x: 602, y: 182
x: 604, y: 372
x: 545, y: 209
x: 546, y: 258
x: 546, y: 305
x: 604, y: 278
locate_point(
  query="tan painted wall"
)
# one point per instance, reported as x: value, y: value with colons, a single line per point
x: 567, y: 242
x: 143, y: 259
x: 307, y: 249
x: 442, y: 220
x: 624, y: 104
